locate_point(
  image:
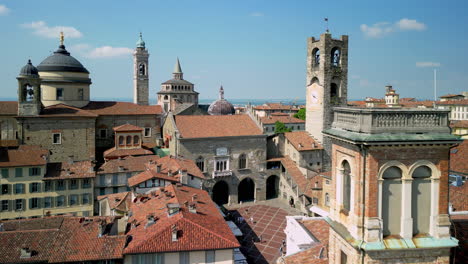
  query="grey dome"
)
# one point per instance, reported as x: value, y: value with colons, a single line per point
x: 61, y: 61
x: 221, y: 107
x: 29, y: 70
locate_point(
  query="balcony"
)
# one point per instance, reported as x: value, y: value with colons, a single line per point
x: 222, y: 173
x: 384, y: 120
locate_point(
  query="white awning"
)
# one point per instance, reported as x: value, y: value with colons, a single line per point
x: 319, y: 211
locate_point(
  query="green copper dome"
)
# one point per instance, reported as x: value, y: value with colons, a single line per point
x: 140, y: 43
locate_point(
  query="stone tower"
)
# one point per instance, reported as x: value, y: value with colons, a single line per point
x: 327, y: 85
x: 140, y: 73
x: 29, y: 91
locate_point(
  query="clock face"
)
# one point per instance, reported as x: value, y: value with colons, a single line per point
x: 314, y: 97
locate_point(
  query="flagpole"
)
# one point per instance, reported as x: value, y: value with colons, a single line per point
x: 435, y: 84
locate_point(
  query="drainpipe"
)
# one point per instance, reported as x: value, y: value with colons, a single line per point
x: 363, y: 197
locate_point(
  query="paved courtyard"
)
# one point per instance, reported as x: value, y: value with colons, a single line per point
x: 263, y: 237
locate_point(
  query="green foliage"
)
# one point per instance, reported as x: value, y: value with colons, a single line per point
x: 281, y: 128
x: 301, y: 114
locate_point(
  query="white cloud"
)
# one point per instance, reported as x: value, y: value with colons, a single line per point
x: 40, y: 28
x: 410, y: 24
x: 427, y: 64
x: 109, y: 52
x: 382, y: 29
x: 4, y: 10
x: 257, y: 14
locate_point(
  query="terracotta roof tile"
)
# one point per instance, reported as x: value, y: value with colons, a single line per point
x: 458, y: 160
x: 24, y: 155
x: 127, y: 164
x: 9, y: 108
x: 450, y: 95
x: 204, y: 229
x: 63, y: 110
x: 275, y: 106
x: 67, y: 170
x: 127, y: 128
x: 216, y: 126
x: 308, y: 256
x: 77, y: 240
x: 121, y: 108
x: 298, y: 177
x: 286, y: 119
x: 170, y: 163
x: 453, y: 102
x: 114, y: 153
x: 118, y: 201
x: 459, y: 197
x: 459, y: 124
x: 302, y: 141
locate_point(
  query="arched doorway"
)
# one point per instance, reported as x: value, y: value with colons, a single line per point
x: 246, y: 190
x: 272, y: 186
x: 221, y: 193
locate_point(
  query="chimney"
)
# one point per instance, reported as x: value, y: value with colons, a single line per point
x: 158, y: 168
x: 194, y: 197
x: 101, y: 228
x: 26, y: 252
x: 121, y: 168
x: 173, y: 208
x: 193, y: 208
x: 174, y: 233
x: 151, y: 220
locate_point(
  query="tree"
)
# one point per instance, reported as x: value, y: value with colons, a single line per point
x: 301, y: 114
x: 281, y: 128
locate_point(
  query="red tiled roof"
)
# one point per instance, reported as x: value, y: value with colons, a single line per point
x: 298, y: 177
x: 453, y: 102
x: 9, y: 107
x: 63, y: 110
x: 275, y: 106
x: 459, y: 124
x: 121, y: 108
x: 302, y: 141
x: 127, y: 164
x: 127, y: 128
x: 114, y: 153
x: 117, y: 201
x: 151, y: 174
x: 172, y: 164
x: 66, y: 170
x: 281, y: 118
x: 24, y: 155
x: 64, y: 240
x: 204, y: 229
x: 459, y: 197
x: 450, y: 95
x: 458, y: 158
x: 216, y: 126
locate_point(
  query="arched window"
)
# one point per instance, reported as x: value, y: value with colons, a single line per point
x: 136, y: 140
x: 166, y: 97
x: 391, y: 201
x: 335, y: 57
x: 327, y: 199
x: 334, y: 94
x: 421, y: 200
x: 129, y: 141
x: 346, y: 185
x: 316, y: 57
x: 28, y: 93
x: 242, y: 161
x: 121, y: 141
x: 201, y: 163
x: 142, y: 69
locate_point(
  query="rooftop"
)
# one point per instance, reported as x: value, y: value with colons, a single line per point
x: 121, y: 108
x: 127, y: 164
x: 24, y: 155
x: 70, y: 170
x: 302, y: 141
x: 114, y: 153
x: 127, y: 128
x: 286, y: 119
x: 458, y: 159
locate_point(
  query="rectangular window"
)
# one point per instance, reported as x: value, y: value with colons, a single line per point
x: 19, y: 204
x: 59, y: 95
x: 115, y: 189
x: 147, y: 131
x: 60, y: 185
x: 34, y: 203
x: 103, y: 133
x: 5, y: 205
x: 4, y: 173
x: 86, y: 183
x: 60, y: 201
x: 47, y: 186
x: 47, y: 202
x: 343, y: 258
x: 5, y: 188
x: 102, y: 191
x: 56, y: 138
x: 18, y: 172
x: 19, y: 188
x: 129, y: 175
x: 221, y: 165
x: 115, y: 179
x: 73, y: 199
x: 35, y: 171
x: 80, y: 94
x: 102, y: 180
x: 34, y: 187
x: 184, y: 258
x: 210, y: 256
x: 85, y: 198
x: 73, y: 184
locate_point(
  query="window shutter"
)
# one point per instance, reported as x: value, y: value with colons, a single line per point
x: 9, y: 189
x: 30, y: 171
x: 78, y: 200
x: 30, y: 187
x: 23, y: 189
x: 39, y: 171
x: 39, y: 186
x: 65, y: 200
x: 65, y: 183
x: 10, y: 205
x: 39, y: 203
x: 52, y: 202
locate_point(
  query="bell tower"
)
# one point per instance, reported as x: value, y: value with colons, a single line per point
x: 29, y: 91
x: 326, y: 85
x: 140, y: 73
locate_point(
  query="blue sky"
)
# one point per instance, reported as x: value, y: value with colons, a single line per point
x: 255, y: 49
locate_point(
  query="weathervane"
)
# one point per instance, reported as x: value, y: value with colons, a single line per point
x: 326, y: 22
x: 62, y: 37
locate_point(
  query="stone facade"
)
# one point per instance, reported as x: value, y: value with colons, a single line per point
x: 326, y: 84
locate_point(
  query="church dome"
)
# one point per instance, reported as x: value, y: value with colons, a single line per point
x: 61, y: 61
x: 221, y: 106
x: 140, y: 43
x: 29, y: 70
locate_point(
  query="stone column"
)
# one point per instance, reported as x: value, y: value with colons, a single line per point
x: 406, y: 219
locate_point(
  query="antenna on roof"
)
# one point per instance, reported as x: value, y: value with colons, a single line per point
x: 435, y: 84
x: 326, y: 25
